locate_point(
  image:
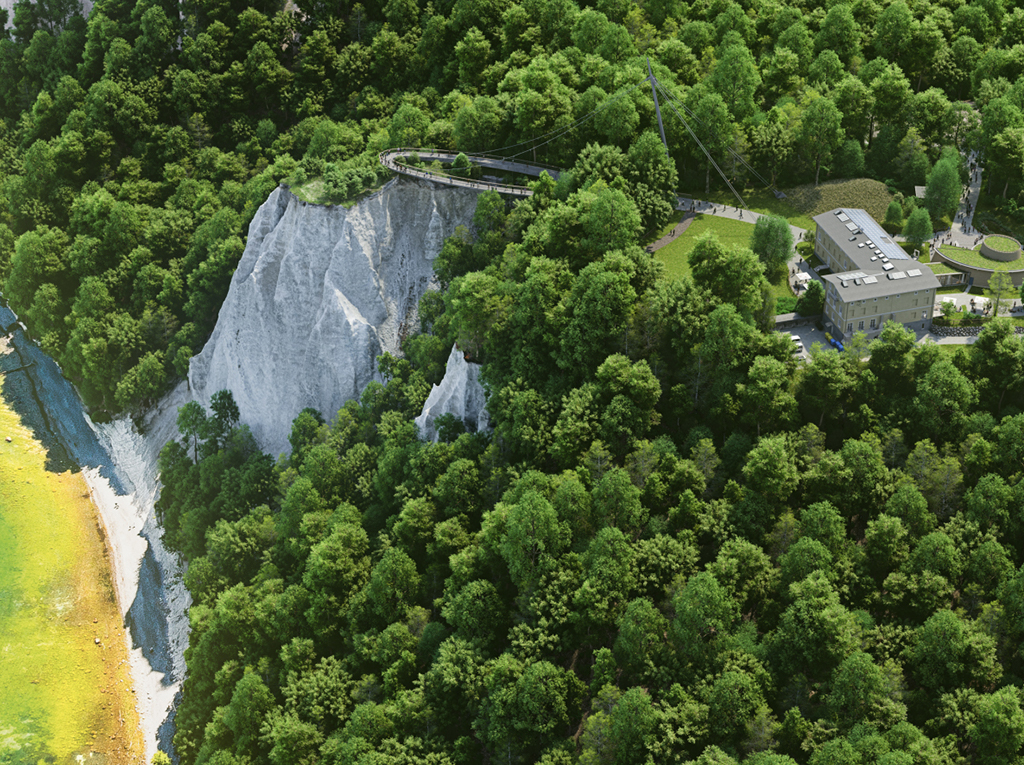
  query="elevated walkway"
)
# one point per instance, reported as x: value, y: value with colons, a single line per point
x: 389, y: 159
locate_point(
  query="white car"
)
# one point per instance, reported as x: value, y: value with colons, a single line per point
x: 798, y: 344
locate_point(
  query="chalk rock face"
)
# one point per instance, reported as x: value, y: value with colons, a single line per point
x: 8, y: 5
x: 460, y: 393
x: 319, y: 293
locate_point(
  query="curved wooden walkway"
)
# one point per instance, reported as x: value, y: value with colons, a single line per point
x: 389, y: 159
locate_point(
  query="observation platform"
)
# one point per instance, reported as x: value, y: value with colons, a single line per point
x: 389, y: 159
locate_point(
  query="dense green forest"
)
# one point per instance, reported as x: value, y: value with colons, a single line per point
x: 677, y: 544
x: 136, y: 144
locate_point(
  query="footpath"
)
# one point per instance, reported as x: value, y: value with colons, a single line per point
x: 693, y: 207
x: 960, y: 234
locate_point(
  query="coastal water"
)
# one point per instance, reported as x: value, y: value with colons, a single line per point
x: 63, y: 695
x: 65, y: 688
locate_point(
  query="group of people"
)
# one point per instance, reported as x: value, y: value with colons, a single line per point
x: 968, y: 209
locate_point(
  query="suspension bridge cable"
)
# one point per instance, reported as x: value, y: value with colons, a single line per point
x: 670, y: 96
x: 707, y: 153
x: 671, y: 100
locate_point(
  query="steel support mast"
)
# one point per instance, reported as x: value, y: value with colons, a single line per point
x: 657, y: 107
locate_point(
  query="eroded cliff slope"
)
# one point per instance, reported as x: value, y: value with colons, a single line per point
x: 319, y: 293
x: 459, y: 393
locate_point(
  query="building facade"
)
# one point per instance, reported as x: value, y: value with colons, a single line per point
x: 873, y: 280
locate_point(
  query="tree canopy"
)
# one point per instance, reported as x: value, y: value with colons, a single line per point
x: 677, y: 544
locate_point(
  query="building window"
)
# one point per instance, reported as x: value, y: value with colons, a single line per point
x: 860, y: 325
x: 924, y: 315
x: 872, y: 324
x: 849, y: 327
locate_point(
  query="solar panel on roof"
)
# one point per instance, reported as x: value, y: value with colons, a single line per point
x: 843, y: 217
x: 871, y: 280
x: 869, y: 227
x: 851, y: 226
x: 897, y: 275
x: 914, y: 272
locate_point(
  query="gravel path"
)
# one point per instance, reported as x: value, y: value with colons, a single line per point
x: 677, y: 232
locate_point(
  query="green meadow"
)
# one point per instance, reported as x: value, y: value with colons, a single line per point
x: 63, y: 694
x: 731, y: 233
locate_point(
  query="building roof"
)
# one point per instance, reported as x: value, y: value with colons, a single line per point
x: 860, y: 237
x: 861, y: 285
x: 881, y: 267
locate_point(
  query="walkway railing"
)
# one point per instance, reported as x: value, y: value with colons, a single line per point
x: 389, y: 160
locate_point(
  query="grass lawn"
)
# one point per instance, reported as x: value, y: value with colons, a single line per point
x: 940, y: 268
x: 311, y: 191
x: 1002, y: 244
x: 812, y: 260
x: 764, y: 201
x: 864, y: 193
x: 677, y: 216
x: 976, y: 259
x: 802, y: 203
x: 731, y: 233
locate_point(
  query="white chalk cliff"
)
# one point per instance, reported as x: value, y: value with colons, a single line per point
x: 319, y: 293
x: 459, y: 393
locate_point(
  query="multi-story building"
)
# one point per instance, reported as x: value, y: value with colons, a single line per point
x: 873, y: 280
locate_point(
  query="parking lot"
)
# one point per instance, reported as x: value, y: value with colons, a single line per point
x: 808, y: 336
